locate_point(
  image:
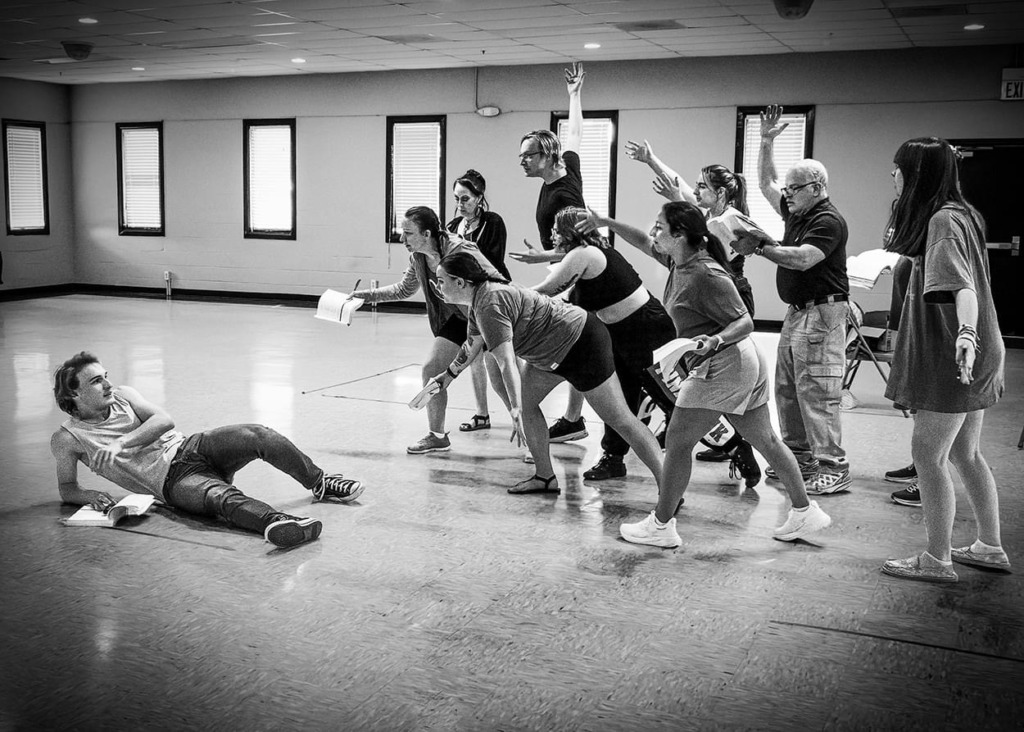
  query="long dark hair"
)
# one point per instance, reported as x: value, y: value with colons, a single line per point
x: 565, y: 227
x: 65, y: 380
x: 734, y: 185
x: 685, y: 218
x: 426, y: 220
x: 931, y: 180
x: 467, y: 267
x: 476, y: 185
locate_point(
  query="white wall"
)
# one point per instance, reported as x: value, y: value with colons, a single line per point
x: 34, y: 260
x: 867, y: 104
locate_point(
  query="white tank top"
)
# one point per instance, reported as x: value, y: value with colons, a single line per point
x: 137, y: 469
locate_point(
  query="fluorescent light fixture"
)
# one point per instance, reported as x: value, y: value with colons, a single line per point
x: 88, y: 21
x: 298, y: 60
x: 138, y: 68
x: 488, y: 111
x: 974, y: 26
x: 591, y: 45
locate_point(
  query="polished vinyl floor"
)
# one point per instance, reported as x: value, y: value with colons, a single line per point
x: 439, y: 602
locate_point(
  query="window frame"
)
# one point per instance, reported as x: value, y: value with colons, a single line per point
x: 392, y: 221
x: 248, y: 232
x: 611, y: 115
x: 122, y: 228
x: 41, y: 126
x: 753, y: 182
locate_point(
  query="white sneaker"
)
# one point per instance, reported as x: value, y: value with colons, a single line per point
x: 801, y: 523
x: 647, y: 532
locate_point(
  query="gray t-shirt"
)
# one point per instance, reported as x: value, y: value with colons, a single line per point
x: 542, y: 329
x: 924, y: 370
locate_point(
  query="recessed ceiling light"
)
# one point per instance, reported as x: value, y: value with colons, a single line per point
x: 591, y: 45
x: 298, y: 60
x: 88, y: 21
x: 974, y: 26
x: 138, y: 68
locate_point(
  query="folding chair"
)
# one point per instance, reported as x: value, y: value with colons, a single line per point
x: 860, y: 348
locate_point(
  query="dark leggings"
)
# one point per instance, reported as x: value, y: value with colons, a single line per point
x: 200, y: 476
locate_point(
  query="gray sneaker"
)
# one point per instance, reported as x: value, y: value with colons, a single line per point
x: 922, y: 568
x: 826, y: 482
x: 430, y: 443
x: 807, y: 471
x: 997, y: 561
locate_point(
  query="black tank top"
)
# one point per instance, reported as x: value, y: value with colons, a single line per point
x: 618, y: 281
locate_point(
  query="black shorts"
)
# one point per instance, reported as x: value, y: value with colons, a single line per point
x: 454, y: 330
x: 589, y: 362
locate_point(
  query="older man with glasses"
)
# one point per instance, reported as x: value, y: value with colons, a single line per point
x: 811, y: 279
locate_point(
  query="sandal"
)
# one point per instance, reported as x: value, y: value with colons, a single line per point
x: 479, y: 422
x: 536, y: 484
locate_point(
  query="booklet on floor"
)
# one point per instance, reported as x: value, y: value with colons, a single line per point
x: 337, y: 307
x: 135, y: 504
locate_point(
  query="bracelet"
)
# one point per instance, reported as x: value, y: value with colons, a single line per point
x: 448, y: 370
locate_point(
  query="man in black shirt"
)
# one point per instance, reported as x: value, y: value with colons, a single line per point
x: 811, y: 279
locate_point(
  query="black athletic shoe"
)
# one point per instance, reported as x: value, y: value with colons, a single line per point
x: 745, y: 464
x: 286, y: 531
x: 909, y: 496
x: 337, y: 489
x: 564, y: 431
x: 609, y: 466
x: 714, y: 455
x: 902, y: 475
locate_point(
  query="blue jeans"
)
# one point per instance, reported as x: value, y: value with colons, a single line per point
x: 808, y: 383
x: 200, y: 476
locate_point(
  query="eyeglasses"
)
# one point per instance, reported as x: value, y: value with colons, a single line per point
x: 790, y: 190
x: 463, y: 199
x: 523, y: 157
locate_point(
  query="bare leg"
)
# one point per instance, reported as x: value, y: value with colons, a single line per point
x: 478, y: 371
x: 685, y: 429
x: 441, y: 354
x: 966, y: 456
x: 574, y: 407
x: 756, y: 427
x: 536, y: 385
x: 610, y: 405
x: 934, y: 433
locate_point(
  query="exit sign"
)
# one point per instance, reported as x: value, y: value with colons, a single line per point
x: 1013, y: 85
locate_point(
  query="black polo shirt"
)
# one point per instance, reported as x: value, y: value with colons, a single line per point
x: 822, y: 227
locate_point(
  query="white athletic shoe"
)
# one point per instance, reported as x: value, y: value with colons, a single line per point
x: 647, y: 532
x: 801, y: 523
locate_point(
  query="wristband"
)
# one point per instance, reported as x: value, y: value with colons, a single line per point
x: 448, y: 370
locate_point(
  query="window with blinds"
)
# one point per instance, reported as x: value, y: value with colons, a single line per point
x: 268, y: 161
x: 140, y: 179
x: 25, y: 177
x: 597, y: 157
x: 415, y: 169
x: 793, y: 145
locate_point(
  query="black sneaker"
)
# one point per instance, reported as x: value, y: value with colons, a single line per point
x: 286, y: 531
x: 909, y: 496
x: 714, y: 455
x: 903, y: 475
x: 744, y: 464
x: 609, y: 466
x: 564, y: 431
x: 337, y: 489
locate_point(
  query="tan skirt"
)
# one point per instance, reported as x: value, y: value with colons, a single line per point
x: 733, y: 381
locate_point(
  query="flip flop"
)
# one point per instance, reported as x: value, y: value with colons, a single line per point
x: 524, y: 487
x: 479, y: 422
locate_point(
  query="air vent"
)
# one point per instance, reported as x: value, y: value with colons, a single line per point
x: 412, y: 38
x: 649, y: 25
x: 928, y: 11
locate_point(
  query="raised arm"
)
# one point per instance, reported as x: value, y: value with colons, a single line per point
x: 574, y: 85
x: 768, y: 178
x: 637, y: 237
x: 667, y: 182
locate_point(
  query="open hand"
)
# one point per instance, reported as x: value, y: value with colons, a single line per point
x: 104, y: 457
x: 532, y: 255
x: 590, y: 222
x: 574, y: 77
x: 518, y: 435
x: 101, y: 501
x: 668, y: 187
x: 747, y: 241
x: 641, y: 153
x: 770, y: 126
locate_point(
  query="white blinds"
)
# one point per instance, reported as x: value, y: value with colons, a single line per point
x: 26, y: 196
x: 415, y: 170
x: 141, y: 179
x: 270, y: 178
x: 595, y: 160
x: 789, y: 149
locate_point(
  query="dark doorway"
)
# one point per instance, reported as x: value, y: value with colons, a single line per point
x: 990, y: 178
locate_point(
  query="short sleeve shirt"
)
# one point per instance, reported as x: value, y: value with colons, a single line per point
x: 822, y: 227
x: 924, y: 370
x: 542, y: 329
x: 566, y: 191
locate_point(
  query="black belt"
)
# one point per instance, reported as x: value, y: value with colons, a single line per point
x: 821, y: 301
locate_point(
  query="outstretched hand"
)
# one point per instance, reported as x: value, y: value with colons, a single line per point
x: 641, y: 153
x: 747, y: 241
x: 532, y: 255
x: 589, y: 222
x: 574, y: 77
x: 668, y: 187
x: 770, y: 125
